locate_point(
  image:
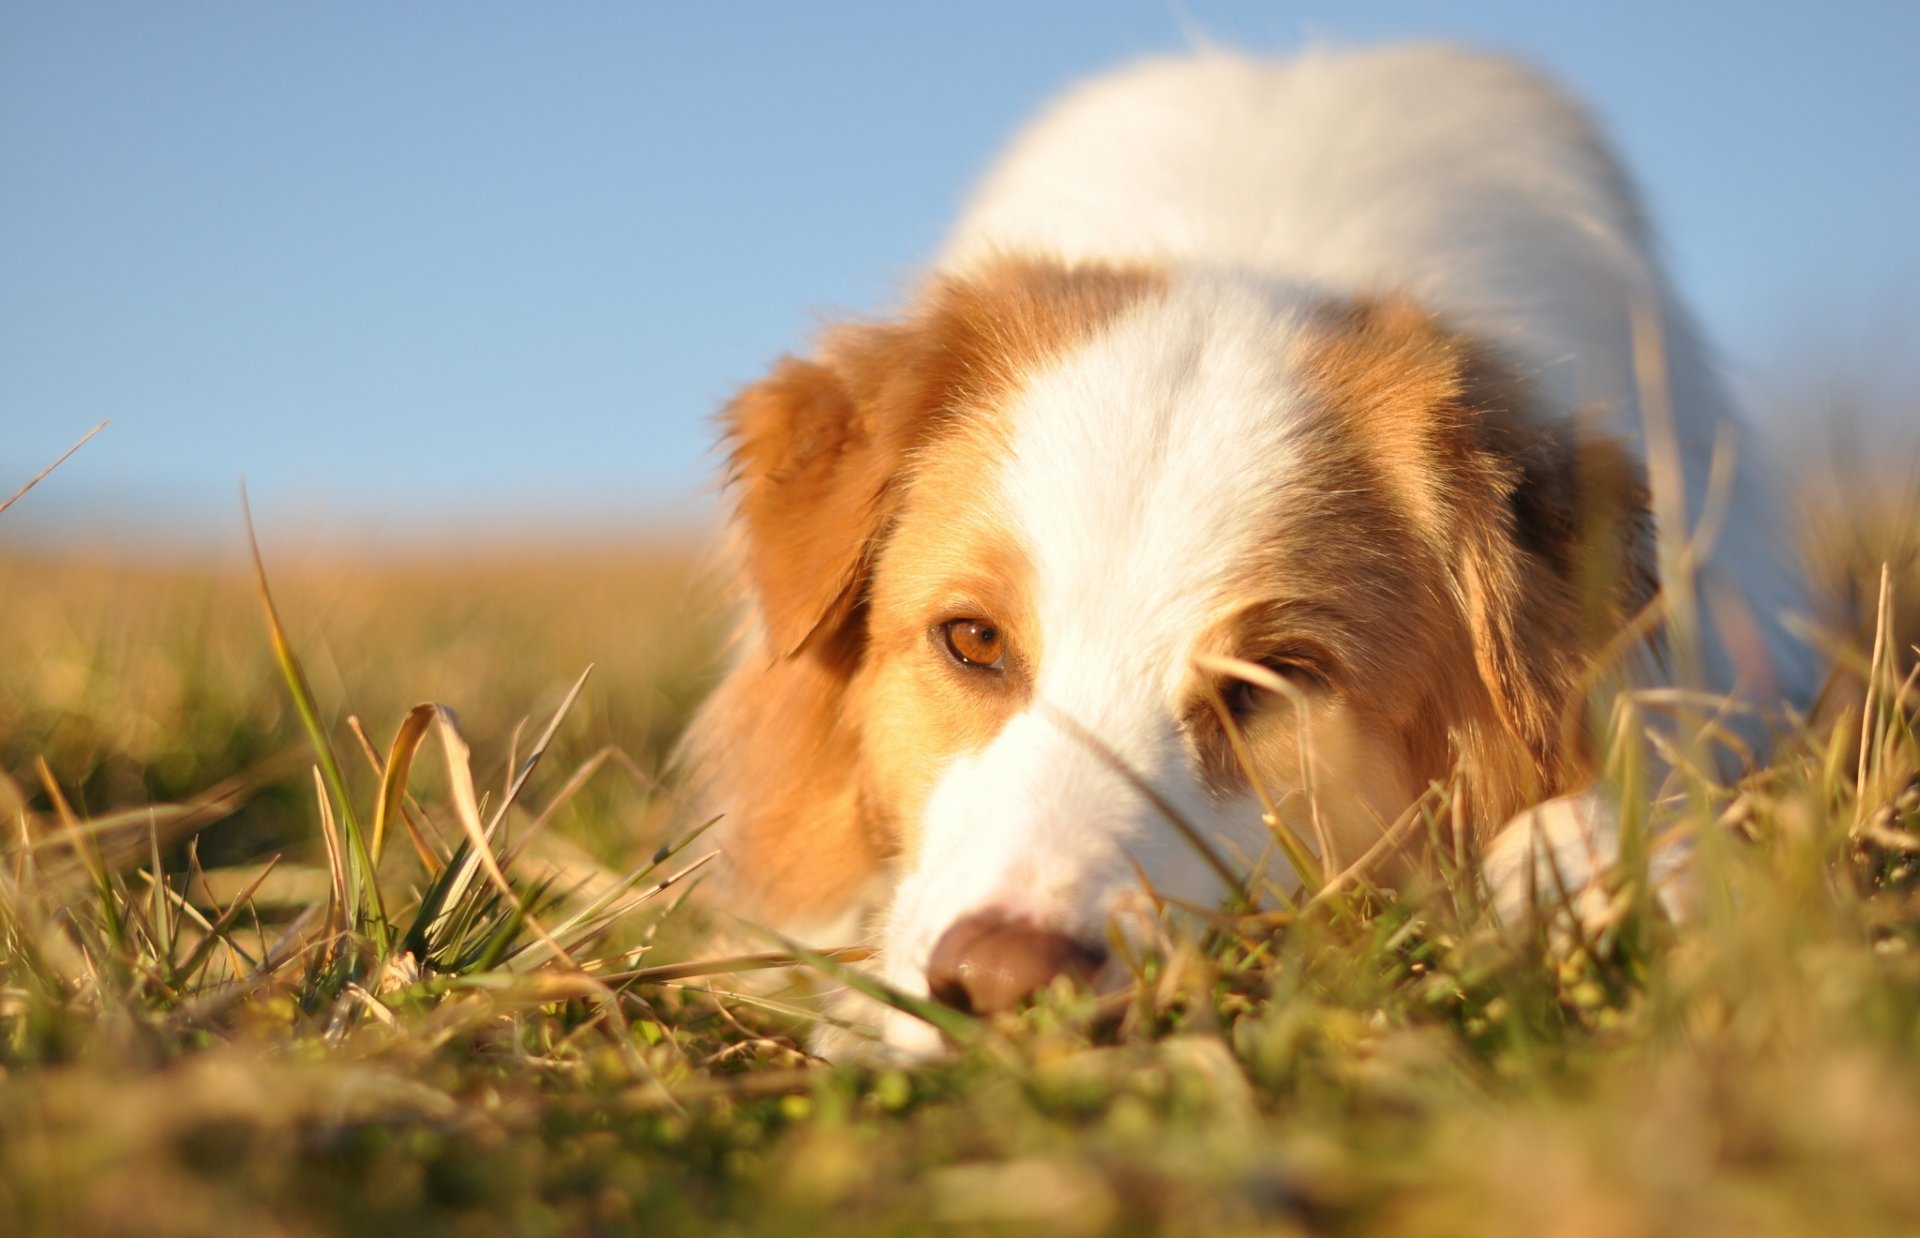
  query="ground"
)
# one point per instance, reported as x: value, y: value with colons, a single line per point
x: 382, y: 1030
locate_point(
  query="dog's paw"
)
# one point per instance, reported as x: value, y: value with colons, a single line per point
x: 1550, y: 857
x: 1559, y: 859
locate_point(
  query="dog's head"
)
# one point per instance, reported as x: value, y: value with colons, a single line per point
x: 1002, y: 560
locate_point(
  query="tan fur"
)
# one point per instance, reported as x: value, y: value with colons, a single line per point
x: 827, y: 456
x: 947, y: 559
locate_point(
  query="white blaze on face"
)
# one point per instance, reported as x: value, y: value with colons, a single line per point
x: 1144, y: 471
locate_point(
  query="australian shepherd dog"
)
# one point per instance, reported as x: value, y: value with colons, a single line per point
x: 1272, y: 441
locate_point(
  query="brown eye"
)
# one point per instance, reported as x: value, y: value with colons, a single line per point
x: 974, y: 642
x: 1244, y: 699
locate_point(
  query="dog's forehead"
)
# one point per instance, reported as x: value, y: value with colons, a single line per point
x: 1150, y: 462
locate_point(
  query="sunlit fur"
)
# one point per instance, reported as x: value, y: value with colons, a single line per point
x: 1327, y: 364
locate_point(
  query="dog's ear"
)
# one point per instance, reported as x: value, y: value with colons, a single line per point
x: 820, y: 449
x: 1556, y: 559
x: 1543, y: 532
x: 817, y: 449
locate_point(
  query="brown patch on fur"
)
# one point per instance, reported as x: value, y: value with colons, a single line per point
x: 827, y: 456
x: 950, y: 557
x: 1521, y: 540
x: 772, y: 750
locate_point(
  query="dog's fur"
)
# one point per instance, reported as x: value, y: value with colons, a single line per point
x: 1332, y: 365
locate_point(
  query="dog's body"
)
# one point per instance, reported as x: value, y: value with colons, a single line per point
x: 1331, y: 367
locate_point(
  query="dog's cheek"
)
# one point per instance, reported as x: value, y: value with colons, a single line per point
x: 895, y: 760
x: 1338, y: 779
x: 1372, y: 788
x: 917, y: 720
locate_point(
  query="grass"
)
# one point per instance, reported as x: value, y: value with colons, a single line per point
x: 466, y: 998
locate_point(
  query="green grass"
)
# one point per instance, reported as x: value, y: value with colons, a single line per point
x: 380, y: 1030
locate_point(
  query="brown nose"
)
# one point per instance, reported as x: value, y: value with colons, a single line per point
x: 987, y: 962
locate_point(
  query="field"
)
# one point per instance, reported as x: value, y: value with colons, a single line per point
x: 388, y: 1028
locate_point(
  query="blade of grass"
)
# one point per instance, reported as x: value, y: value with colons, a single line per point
x: 41, y: 476
x: 538, y: 751
x: 1297, y: 853
x: 116, y: 830
x: 393, y: 778
x: 576, y: 780
x: 87, y: 851
x: 433, y: 853
x: 33, y: 943
x: 337, y: 909
x: 288, y: 947
x: 477, y: 852
x: 216, y: 932
x: 467, y: 810
x: 161, y: 912
x: 732, y: 965
x: 1390, y: 839
x: 1869, y: 709
x: 495, y: 947
x: 363, y: 889
x: 1243, y: 756
x: 1236, y: 885
x: 963, y: 1029
x: 617, y: 901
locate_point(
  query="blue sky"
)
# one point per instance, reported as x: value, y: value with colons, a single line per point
x: 489, y: 266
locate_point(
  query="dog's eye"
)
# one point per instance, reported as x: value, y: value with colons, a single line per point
x: 1244, y: 699
x: 974, y: 642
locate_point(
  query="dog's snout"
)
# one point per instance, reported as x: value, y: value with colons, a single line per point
x: 989, y: 962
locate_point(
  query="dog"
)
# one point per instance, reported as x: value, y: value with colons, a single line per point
x: 1273, y: 440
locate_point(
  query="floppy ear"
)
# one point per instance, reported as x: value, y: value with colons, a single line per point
x: 816, y: 451
x: 1543, y: 532
x: 819, y: 449
x: 1556, y: 558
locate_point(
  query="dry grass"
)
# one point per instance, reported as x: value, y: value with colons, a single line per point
x: 148, y: 682
x: 337, y: 1052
